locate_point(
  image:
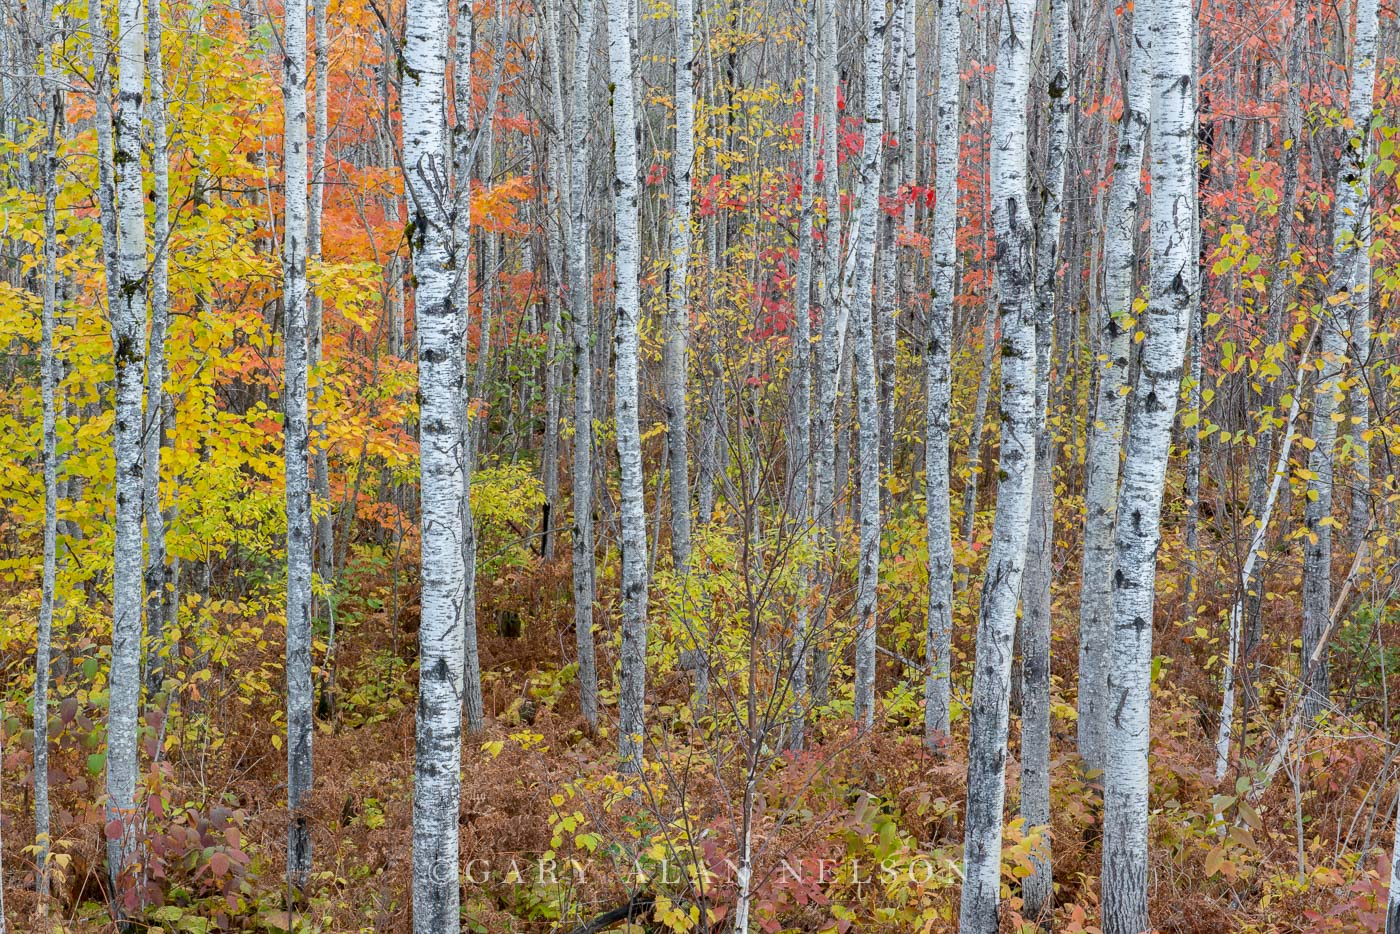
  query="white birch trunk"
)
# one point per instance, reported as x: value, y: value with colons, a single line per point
x: 1111, y: 401
x: 800, y: 447
x: 464, y: 151
x: 833, y: 326
x: 939, y: 639
x: 678, y: 324
x: 441, y: 385
x: 887, y: 273
x: 555, y: 234
x: 996, y: 626
x: 580, y: 290
x: 126, y: 295
x: 48, y: 390
x: 627, y: 296
x: 296, y: 433
x: 320, y: 458
x: 158, y: 580
x: 857, y: 296
x: 1174, y: 281
x: 1040, y: 552
x: 1350, y: 242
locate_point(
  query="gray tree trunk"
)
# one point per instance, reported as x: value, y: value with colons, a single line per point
x: 1154, y: 400
x: 996, y: 626
x: 1040, y: 552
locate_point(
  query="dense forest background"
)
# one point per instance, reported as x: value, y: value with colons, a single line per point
x: 561, y: 465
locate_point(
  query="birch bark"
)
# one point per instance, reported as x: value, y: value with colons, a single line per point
x: 1040, y: 569
x: 1350, y: 242
x: 441, y: 384
x: 296, y: 447
x: 632, y: 694
x: 463, y: 153
x: 126, y: 295
x: 939, y: 639
x: 1111, y: 400
x: 857, y: 296
x: 158, y: 577
x: 678, y: 323
x: 996, y: 627
x: 581, y: 325
x: 1173, y: 283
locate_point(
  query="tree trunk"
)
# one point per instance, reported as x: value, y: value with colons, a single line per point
x: 828, y: 372
x: 800, y: 448
x: 939, y: 640
x: 320, y: 457
x: 887, y: 278
x: 1392, y: 911
x: 126, y: 296
x: 678, y: 324
x: 464, y: 152
x: 1174, y: 282
x: 979, y: 421
x: 859, y: 280
x: 627, y: 296
x: 49, y: 381
x: 996, y: 627
x: 1040, y: 552
x: 158, y: 582
x: 1350, y: 245
x: 580, y: 291
x: 1111, y: 401
x: 296, y: 446
x: 439, y: 326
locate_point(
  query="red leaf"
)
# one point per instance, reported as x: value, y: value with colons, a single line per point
x: 114, y: 829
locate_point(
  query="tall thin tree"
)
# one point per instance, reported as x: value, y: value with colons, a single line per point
x: 1111, y: 402
x: 856, y: 295
x: 996, y: 626
x: 296, y: 446
x: 1040, y: 565
x: 126, y: 296
x: 678, y: 320
x: 1174, y: 280
x: 938, y: 648
x: 628, y: 301
x: 1351, y: 257
x: 441, y: 384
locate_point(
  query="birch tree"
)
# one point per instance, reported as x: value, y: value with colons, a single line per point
x: 856, y: 295
x: 124, y: 240
x: 1040, y: 569
x: 1350, y: 258
x: 464, y: 151
x: 678, y: 322
x: 320, y: 458
x: 441, y: 384
x: 1173, y: 283
x: 833, y: 329
x: 581, y: 326
x: 800, y: 449
x: 48, y: 390
x: 1392, y: 911
x: 627, y: 297
x: 1110, y: 407
x: 297, y: 443
x: 996, y: 625
x: 158, y: 604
